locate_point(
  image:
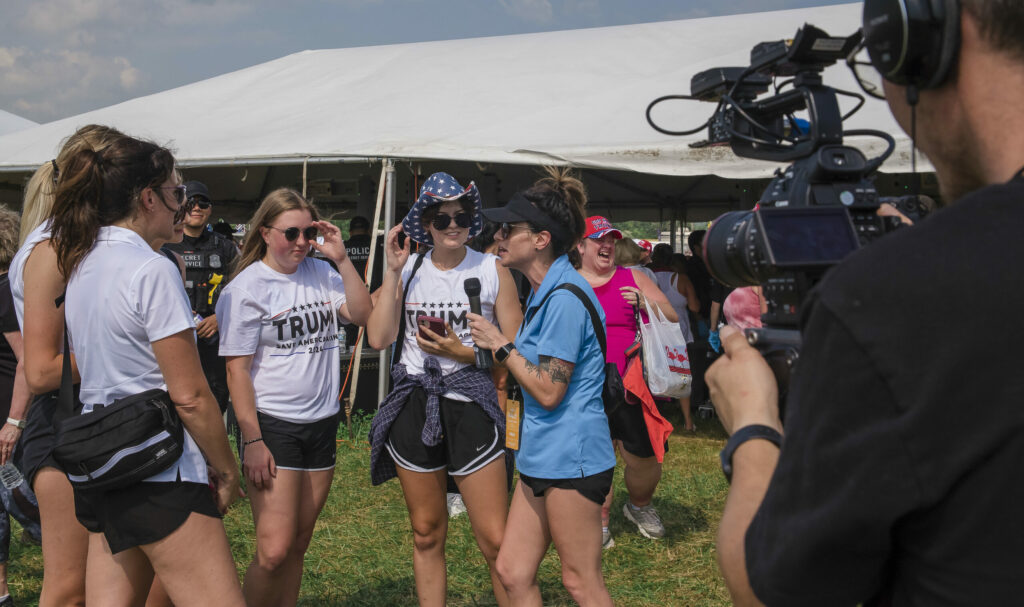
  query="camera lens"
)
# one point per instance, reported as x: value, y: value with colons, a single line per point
x: 730, y: 248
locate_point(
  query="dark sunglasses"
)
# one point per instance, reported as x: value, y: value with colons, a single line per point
x: 183, y: 209
x: 292, y: 234
x: 442, y: 220
x: 202, y: 205
x: 179, y: 192
x: 507, y: 228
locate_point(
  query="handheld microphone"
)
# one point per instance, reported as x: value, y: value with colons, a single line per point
x: 472, y: 287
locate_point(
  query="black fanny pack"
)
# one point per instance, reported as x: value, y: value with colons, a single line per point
x: 119, y: 444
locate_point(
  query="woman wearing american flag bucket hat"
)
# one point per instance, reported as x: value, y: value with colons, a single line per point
x: 442, y: 416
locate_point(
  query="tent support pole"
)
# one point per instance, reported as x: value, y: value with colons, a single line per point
x: 357, y: 357
x: 389, y: 220
x: 305, y: 169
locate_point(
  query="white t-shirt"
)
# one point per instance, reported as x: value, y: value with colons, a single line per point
x: 289, y: 323
x: 122, y: 297
x: 442, y: 293
x: 16, y: 273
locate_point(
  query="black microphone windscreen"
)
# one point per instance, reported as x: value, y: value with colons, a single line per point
x: 472, y: 286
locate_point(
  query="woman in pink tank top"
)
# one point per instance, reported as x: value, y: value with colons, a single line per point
x: 618, y: 289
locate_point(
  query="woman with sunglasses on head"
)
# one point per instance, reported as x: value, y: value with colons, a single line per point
x: 442, y: 416
x: 131, y: 335
x: 565, y: 456
x: 279, y: 321
x: 36, y: 282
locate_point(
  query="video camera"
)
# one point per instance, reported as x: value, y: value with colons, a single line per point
x: 814, y: 212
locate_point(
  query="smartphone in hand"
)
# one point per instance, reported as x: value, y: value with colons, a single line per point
x: 433, y: 323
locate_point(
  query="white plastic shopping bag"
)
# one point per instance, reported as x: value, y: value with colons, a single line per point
x: 666, y: 366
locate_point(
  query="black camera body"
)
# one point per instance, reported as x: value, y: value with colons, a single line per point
x: 812, y: 215
x: 816, y: 211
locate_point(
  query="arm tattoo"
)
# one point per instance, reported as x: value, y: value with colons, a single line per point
x: 557, y: 369
x: 532, y: 368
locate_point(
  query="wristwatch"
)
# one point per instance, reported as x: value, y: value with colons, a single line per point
x: 743, y: 435
x: 502, y: 353
x: 17, y: 423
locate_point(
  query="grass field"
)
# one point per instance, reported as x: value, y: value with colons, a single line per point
x: 361, y: 553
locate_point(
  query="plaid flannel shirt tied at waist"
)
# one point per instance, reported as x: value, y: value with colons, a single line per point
x: 469, y: 381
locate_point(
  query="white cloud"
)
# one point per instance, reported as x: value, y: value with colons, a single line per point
x: 49, y: 84
x: 8, y: 56
x: 129, y: 76
x: 58, y: 16
x: 538, y: 11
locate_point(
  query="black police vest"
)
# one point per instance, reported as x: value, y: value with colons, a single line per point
x: 208, y: 261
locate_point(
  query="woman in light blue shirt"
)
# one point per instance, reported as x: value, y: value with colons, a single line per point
x: 565, y: 457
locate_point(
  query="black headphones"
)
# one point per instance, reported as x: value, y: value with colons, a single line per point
x: 912, y: 42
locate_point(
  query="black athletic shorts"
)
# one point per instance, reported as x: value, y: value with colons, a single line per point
x: 469, y: 437
x: 143, y: 513
x: 35, y: 447
x: 594, y: 487
x: 295, y: 446
x: 627, y: 425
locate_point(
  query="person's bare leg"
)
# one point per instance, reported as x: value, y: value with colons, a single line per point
x: 522, y: 548
x: 158, y: 596
x: 65, y: 541
x: 573, y: 523
x: 275, y: 512
x: 485, y: 494
x: 425, y: 497
x: 684, y: 405
x: 195, y: 565
x: 116, y: 580
x: 314, y: 487
x: 642, y: 475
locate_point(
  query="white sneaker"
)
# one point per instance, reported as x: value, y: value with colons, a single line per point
x: 646, y: 519
x: 606, y: 540
x: 455, y: 505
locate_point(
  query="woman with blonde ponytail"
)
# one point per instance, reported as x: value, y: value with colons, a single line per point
x: 35, y: 283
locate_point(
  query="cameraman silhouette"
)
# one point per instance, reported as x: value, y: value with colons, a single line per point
x: 900, y: 477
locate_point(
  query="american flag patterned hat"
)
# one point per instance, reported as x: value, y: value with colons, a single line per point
x: 438, y: 188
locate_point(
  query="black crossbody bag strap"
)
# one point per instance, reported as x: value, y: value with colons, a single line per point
x: 65, y: 398
x: 594, y: 318
x: 396, y: 355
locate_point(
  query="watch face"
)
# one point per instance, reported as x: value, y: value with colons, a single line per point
x: 504, y: 352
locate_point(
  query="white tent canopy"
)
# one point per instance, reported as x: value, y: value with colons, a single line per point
x: 572, y: 96
x: 10, y: 123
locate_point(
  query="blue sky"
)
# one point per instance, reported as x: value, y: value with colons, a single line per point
x: 62, y: 57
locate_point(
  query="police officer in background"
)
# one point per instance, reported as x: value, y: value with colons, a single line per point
x: 208, y: 261
x: 357, y: 246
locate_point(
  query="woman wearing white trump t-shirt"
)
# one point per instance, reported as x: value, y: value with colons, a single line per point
x: 131, y: 329
x: 279, y: 330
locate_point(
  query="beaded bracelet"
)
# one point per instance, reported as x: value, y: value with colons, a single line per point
x: 249, y: 442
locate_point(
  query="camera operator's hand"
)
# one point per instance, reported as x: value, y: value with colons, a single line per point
x: 888, y: 210
x: 742, y: 385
